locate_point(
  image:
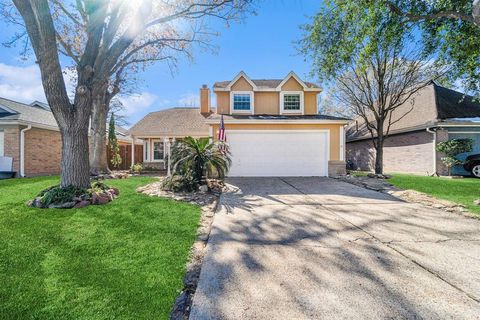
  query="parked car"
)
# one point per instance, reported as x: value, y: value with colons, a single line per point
x: 470, y: 166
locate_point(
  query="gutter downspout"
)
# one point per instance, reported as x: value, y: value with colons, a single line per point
x: 22, y: 149
x: 434, y: 132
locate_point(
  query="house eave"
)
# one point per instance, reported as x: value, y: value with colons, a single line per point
x: 26, y: 123
x: 255, y: 121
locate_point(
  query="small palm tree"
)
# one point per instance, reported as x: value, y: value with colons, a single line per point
x: 201, y: 158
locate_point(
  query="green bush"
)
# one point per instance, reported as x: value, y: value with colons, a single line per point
x: 184, y: 182
x: 136, y: 168
x: 195, y: 160
x: 451, y: 148
x: 58, y: 195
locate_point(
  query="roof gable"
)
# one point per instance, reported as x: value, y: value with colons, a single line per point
x: 238, y: 77
x: 266, y: 84
x: 287, y: 79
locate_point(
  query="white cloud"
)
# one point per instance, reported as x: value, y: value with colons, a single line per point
x: 21, y: 83
x: 24, y: 83
x: 137, y: 103
x: 189, y: 100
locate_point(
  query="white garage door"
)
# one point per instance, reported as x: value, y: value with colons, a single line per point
x: 281, y: 153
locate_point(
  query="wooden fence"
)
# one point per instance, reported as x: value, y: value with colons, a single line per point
x: 126, y: 154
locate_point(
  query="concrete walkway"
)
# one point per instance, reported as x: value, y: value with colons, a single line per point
x: 311, y: 248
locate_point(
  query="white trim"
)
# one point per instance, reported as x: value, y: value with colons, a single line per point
x: 475, y: 124
x: 283, y: 131
x: 22, y: 150
x: 282, y: 100
x: 268, y: 89
x: 286, y: 121
x: 7, y: 109
x: 463, y: 132
x: 252, y: 102
x: 291, y: 74
x: 173, y: 136
x: 210, y: 134
x: 342, y: 143
x: 29, y: 123
x: 240, y: 75
x: 152, y: 153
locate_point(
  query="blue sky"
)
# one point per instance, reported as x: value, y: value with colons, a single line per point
x: 261, y: 45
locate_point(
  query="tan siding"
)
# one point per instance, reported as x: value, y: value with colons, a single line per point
x: 310, y: 103
x: 223, y: 102
x: 292, y: 85
x: 267, y: 102
x: 333, y: 128
x: 241, y: 85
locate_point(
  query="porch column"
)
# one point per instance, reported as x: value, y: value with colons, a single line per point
x: 166, y: 150
x: 133, y: 150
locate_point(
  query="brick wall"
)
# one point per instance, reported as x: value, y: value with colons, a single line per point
x: 43, y: 151
x: 410, y: 152
x: 12, y: 145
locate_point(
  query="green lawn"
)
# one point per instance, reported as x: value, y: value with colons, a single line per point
x: 123, y: 260
x: 462, y: 191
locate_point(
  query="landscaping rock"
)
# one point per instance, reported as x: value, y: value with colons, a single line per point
x: 477, y: 202
x: 199, y: 198
x: 203, y: 188
x: 101, y: 198
x: 82, y: 204
x: 114, y: 190
x: 65, y: 205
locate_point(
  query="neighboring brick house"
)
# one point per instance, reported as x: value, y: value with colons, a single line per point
x: 435, y: 114
x: 29, y: 134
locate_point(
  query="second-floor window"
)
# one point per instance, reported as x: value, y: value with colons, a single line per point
x: 291, y: 102
x: 241, y: 102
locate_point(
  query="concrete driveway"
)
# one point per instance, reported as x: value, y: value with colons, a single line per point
x: 310, y: 248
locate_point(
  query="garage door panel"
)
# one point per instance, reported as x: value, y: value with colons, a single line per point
x: 278, y: 153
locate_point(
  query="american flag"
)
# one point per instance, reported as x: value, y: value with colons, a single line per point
x: 221, y: 131
x: 222, y: 138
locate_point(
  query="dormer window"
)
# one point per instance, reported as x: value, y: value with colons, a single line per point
x: 291, y: 102
x: 241, y: 101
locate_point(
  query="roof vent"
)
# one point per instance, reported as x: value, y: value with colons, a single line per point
x: 41, y: 105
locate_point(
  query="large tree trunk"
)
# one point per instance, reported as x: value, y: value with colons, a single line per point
x: 379, y: 149
x: 98, y: 144
x: 379, y: 160
x: 74, y: 166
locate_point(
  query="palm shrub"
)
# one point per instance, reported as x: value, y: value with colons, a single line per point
x: 194, y: 160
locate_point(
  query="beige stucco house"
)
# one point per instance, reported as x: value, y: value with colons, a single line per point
x: 272, y: 126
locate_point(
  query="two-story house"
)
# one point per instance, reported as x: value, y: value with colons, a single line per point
x: 272, y: 126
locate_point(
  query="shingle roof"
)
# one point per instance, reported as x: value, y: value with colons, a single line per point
x: 429, y: 106
x: 38, y: 113
x: 26, y: 113
x: 174, y: 122
x: 454, y: 104
x: 263, y: 83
